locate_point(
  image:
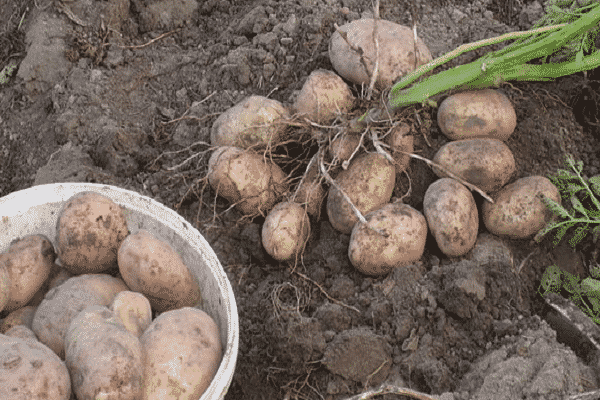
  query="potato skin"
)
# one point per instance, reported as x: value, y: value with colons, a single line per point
x: 368, y: 182
x: 30, y: 370
x: 255, y: 121
x: 285, y: 231
x: 246, y: 178
x: 182, y: 349
x: 400, y: 140
x: 5, y: 286
x: 63, y: 303
x: 518, y: 211
x: 310, y: 192
x: 152, y: 267
x: 133, y: 310
x: 485, y: 113
x: 373, y: 254
x: 28, y: 262
x: 396, y: 52
x: 486, y: 163
x: 452, y: 216
x: 323, y: 96
x: 94, y: 336
x: 89, y: 231
x: 22, y: 316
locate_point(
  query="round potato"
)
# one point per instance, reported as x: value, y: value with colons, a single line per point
x: 103, y: 358
x: 182, y: 353
x: 452, y: 216
x: 323, y: 96
x: 89, y: 231
x: 133, y: 310
x: 22, y: 316
x: 343, y: 146
x: 5, y: 286
x: 28, y: 262
x: 473, y: 114
x: 152, y: 267
x: 255, y: 121
x: 518, y: 211
x: 310, y: 192
x: 368, y: 182
x: 394, y: 236
x: 246, y: 178
x: 29, y: 369
x: 486, y: 163
x: 396, y: 52
x: 285, y: 231
x: 400, y: 141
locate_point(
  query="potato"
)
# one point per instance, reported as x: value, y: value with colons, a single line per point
x: 477, y: 114
x: 55, y: 271
x: 374, y: 254
x: 400, y: 140
x: 30, y: 370
x: 255, y: 121
x: 486, y: 163
x: 368, y: 182
x: 63, y: 303
x: 22, y: 316
x: 21, y: 331
x: 310, y: 192
x: 452, y: 216
x: 152, y: 267
x: 28, y: 262
x: 133, y: 310
x: 103, y: 357
x: 343, y: 146
x: 396, y: 52
x: 89, y: 231
x: 518, y: 211
x: 323, y: 96
x: 285, y: 231
x: 5, y: 286
x: 246, y: 178
x: 182, y: 353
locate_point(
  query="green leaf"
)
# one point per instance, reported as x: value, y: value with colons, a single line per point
x: 595, y: 183
x: 578, y: 206
x: 556, y: 208
x: 571, y: 283
x: 551, y: 280
x: 595, y: 304
x: 579, y: 57
x: 573, y: 188
x: 560, y: 233
x: 596, y: 233
x: 591, y: 287
x: 579, y: 235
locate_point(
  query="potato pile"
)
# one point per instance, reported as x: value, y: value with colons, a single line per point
x: 363, y: 170
x: 67, y: 320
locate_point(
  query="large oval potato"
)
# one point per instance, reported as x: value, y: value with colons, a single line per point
x: 396, y: 52
x: 30, y: 370
x: 375, y: 254
x: 255, y: 121
x: 103, y: 357
x: 28, y: 262
x: 323, y: 96
x: 89, y: 231
x: 246, y: 179
x: 182, y: 353
x: 452, y: 216
x: 285, y: 231
x: 518, y: 211
x: 368, y: 182
x: 473, y: 114
x: 63, y: 303
x: 152, y: 267
x: 486, y: 163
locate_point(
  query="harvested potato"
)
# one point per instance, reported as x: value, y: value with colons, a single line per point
x: 30, y: 370
x: 396, y: 52
x: 518, y: 211
x: 63, y: 303
x: 21, y: 331
x: 152, y: 267
x: 246, y: 178
x: 103, y: 357
x: 22, y: 316
x: 400, y: 141
x: 89, y: 231
x: 368, y: 182
x: 474, y: 114
x: 5, y: 286
x: 452, y: 216
x: 310, y: 192
x: 285, y: 231
x: 182, y: 353
x: 323, y: 96
x: 375, y: 254
x: 342, y: 147
x: 133, y: 310
x: 55, y: 270
x: 28, y: 262
x: 486, y: 163
x: 255, y: 121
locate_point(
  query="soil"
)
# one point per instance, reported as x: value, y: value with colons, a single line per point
x: 125, y: 93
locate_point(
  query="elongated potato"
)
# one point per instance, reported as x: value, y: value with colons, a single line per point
x: 152, y: 267
x: 182, y: 353
x: 285, y: 231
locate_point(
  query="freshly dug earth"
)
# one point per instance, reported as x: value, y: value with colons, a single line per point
x: 88, y: 105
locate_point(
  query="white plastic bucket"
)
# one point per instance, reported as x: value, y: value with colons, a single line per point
x: 35, y: 211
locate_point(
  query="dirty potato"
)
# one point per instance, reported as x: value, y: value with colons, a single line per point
x: 285, y: 231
